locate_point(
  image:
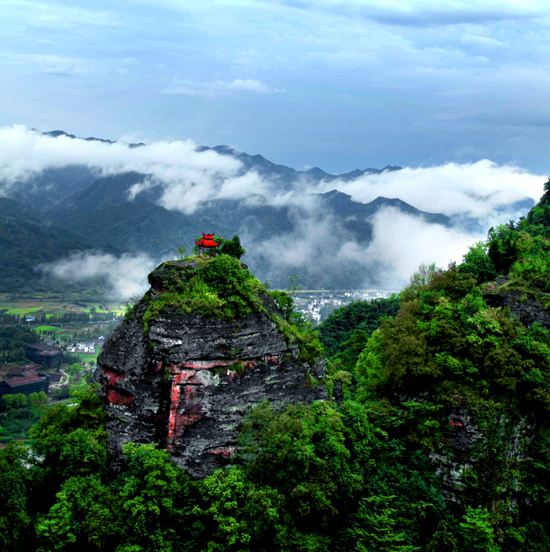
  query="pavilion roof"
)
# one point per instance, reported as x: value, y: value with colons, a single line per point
x: 207, y: 241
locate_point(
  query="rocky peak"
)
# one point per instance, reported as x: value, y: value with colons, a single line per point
x: 183, y: 373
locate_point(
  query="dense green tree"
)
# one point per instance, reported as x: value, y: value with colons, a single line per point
x: 443, y: 539
x: 223, y: 514
x: 152, y: 496
x: 352, y: 348
x: 15, y: 522
x: 501, y: 247
x: 298, y: 458
x: 373, y: 528
x: 478, y: 262
x: 478, y: 530
x: 361, y: 315
x: 14, y: 401
x: 68, y: 442
x: 80, y: 519
x: 233, y: 247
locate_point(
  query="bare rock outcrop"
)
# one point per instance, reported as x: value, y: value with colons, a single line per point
x: 186, y: 380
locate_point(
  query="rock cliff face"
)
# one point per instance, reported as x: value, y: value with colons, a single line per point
x: 186, y: 380
x: 464, y: 433
x: 525, y: 308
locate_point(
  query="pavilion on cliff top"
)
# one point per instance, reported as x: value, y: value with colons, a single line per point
x: 207, y: 242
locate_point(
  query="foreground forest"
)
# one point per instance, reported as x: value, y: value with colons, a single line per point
x: 437, y: 438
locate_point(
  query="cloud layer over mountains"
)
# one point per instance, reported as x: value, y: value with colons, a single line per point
x: 185, y: 176
x: 127, y: 273
x: 474, y: 189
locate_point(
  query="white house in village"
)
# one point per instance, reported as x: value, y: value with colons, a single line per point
x: 82, y: 348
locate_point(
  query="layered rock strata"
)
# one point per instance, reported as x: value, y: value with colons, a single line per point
x: 187, y: 380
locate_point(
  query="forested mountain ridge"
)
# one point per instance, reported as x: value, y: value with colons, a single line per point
x: 45, y: 189
x: 52, y: 185
x: 287, y: 175
x: 10, y: 209
x: 346, y: 322
x: 342, y: 205
x: 103, y: 211
x: 439, y: 440
x: 27, y: 241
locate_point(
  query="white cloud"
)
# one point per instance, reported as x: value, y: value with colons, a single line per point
x: 219, y: 88
x: 44, y: 15
x: 57, y: 65
x: 474, y: 189
x: 127, y: 274
x: 405, y: 11
x: 481, y: 40
x: 253, y: 86
x: 188, y: 176
x: 321, y: 250
x: 402, y: 242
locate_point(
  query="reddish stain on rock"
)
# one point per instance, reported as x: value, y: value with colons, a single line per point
x: 226, y: 452
x: 116, y: 396
x: 192, y: 414
x: 174, y: 403
x: 184, y: 408
x: 159, y: 290
x: 112, y: 377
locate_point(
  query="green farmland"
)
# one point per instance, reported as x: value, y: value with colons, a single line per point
x: 51, y: 307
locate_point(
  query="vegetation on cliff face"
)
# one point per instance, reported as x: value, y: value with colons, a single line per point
x: 221, y: 287
x: 218, y: 287
x: 440, y: 444
x: 346, y: 331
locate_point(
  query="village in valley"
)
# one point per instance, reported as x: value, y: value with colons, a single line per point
x: 48, y: 350
x: 318, y: 305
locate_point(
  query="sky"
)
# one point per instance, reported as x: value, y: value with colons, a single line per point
x: 336, y: 84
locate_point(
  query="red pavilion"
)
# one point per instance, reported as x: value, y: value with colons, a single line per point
x: 207, y: 242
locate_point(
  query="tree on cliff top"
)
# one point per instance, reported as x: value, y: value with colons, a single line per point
x: 232, y: 247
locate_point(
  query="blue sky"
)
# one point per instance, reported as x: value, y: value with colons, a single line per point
x: 336, y: 84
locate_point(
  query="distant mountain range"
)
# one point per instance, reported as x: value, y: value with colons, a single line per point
x: 27, y: 239
x: 286, y: 175
x: 73, y: 208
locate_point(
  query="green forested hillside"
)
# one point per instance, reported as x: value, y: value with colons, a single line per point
x: 360, y: 316
x: 441, y: 442
x: 25, y: 243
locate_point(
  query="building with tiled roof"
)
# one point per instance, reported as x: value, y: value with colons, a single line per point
x: 44, y: 355
x: 24, y: 379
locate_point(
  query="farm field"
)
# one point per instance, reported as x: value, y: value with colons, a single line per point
x: 51, y: 307
x: 57, y: 330
x: 87, y: 357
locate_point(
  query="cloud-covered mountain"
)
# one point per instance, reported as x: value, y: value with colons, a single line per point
x: 27, y: 241
x: 369, y: 227
x: 287, y: 177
